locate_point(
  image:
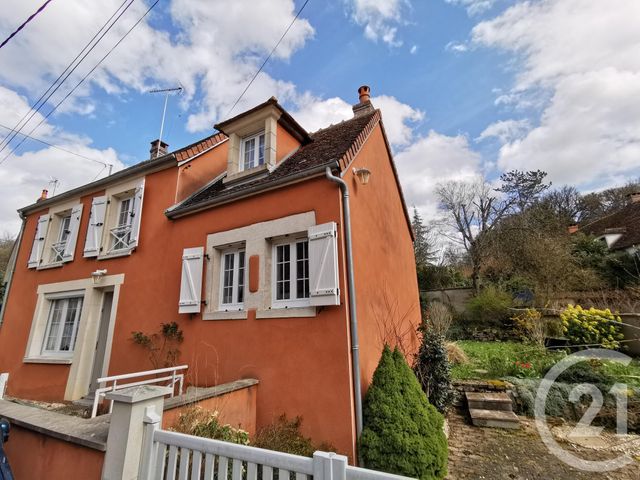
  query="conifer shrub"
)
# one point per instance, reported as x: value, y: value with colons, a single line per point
x: 433, y: 369
x: 402, y: 431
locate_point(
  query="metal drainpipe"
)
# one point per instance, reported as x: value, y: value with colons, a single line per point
x: 353, y: 317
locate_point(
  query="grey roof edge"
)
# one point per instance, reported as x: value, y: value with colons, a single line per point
x: 147, y: 166
x: 281, y: 182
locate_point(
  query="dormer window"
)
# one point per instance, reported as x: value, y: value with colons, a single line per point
x: 252, y: 153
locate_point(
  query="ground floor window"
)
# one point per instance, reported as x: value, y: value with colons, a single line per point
x: 291, y: 273
x: 233, y: 279
x: 62, y: 325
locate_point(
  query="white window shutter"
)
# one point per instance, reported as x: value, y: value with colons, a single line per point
x: 191, y: 282
x: 96, y: 224
x: 38, y: 242
x: 74, y: 226
x: 323, y: 265
x: 137, y: 215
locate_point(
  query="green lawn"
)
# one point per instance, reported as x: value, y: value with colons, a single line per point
x: 495, y: 360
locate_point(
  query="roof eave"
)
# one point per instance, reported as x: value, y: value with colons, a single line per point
x: 162, y: 163
x: 282, y: 182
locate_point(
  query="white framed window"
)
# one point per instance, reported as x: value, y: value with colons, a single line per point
x: 252, y: 151
x: 59, y: 246
x: 232, y: 279
x: 291, y: 273
x: 62, y: 326
x: 121, y: 233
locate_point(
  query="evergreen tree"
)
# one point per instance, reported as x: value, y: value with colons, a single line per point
x: 402, y: 431
x: 423, y: 243
x: 433, y: 370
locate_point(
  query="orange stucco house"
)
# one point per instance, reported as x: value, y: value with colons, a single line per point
x: 240, y: 238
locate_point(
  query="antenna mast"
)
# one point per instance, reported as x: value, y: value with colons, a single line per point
x: 167, y: 92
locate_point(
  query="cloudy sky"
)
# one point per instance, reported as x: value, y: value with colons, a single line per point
x: 465, y: 86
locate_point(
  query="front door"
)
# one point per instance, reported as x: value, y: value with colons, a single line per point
x: 101, y: 344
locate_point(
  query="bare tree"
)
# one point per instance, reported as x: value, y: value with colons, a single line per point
x: 473, y: 209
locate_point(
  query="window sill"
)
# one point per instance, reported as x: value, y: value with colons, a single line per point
x: 292, y: 312
x: 237, y: 176
x: 119, y: 253
x: 222, y: 315
x: 50, y: 265
x: 53, y: 360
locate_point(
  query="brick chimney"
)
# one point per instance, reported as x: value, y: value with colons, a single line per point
x: 158, y: 148
x: 364, y: 105
x: 43, y: 195
x: 573, y: 228
x: 635, y: 197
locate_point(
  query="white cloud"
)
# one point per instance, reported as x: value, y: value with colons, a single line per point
x: 474, y: 7
x: 210, y: 55
x: 456, y: 47
x: 578, y: 64
x: 505, y: 130
x: 430, y: 160
x: 380, y: 18
x: 399, y: 119
x: 413, y: 50
x: 24, y: 175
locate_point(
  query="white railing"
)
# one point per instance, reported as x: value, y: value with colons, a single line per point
x: 175, y: 456
x: 172, y: 379
x: 58, y: 251
x: 121, y: 235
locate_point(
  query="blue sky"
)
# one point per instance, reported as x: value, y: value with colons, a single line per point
x: 466, y: 87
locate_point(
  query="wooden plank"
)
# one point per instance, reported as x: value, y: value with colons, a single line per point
x: 171, y: 464
x: 283, y: 474
x: 185, y: 456
x: 252, y: 471
x: 223, y: 472
x: 196, y: 465
x: 237, y: 470
x: 267, y: 473
x: 208, y: 466
x: 161, y: 460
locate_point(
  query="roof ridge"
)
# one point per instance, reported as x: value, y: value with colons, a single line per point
x: 334, y: 125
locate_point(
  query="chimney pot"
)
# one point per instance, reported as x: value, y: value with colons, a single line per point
x: 364, y: 105
x: 43, y: 195
x: 158, y: 149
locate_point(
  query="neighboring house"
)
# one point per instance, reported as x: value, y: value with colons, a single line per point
x: 620, y: 229
x: 240, y: 239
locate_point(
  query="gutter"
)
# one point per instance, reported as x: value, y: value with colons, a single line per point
x: 147, y: 166
x: 11, y: 267
x: 353, y: 316
x: 247, y: 192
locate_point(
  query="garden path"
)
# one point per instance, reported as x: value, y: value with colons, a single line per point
x: 496, y: 454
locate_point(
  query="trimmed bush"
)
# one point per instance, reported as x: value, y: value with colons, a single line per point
x: 490, y: 306
x: 591, y: 327
x: 433, y: 370
x: 402, y: 431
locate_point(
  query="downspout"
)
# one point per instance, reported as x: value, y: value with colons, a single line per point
x: 353, y: 317
x: 13, y: 258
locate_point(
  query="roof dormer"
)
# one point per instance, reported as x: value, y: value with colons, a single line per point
x: 259, y: 139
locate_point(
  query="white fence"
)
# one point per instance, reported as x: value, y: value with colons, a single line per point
x: 174, y: 378
x: 175, y: 456
x: 137, y: 447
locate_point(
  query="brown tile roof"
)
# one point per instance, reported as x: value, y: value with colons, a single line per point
x: 198, y: 147
x: 337, y: 143
x: 625, y: 221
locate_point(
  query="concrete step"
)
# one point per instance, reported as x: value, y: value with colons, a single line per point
x: 489, y: 401
x: 494, y: 418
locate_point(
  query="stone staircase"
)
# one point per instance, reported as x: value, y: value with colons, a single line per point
x: 492, y: 410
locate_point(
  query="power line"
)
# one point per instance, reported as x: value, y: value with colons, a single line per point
x: 57, y: 83
x: 268, y: 57
x: 83, y: 79
x: 59, y: 148
x: 42, y: 7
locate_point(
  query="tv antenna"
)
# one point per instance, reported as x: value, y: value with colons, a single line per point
x: 167, y: 92
x: 55, y: 182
